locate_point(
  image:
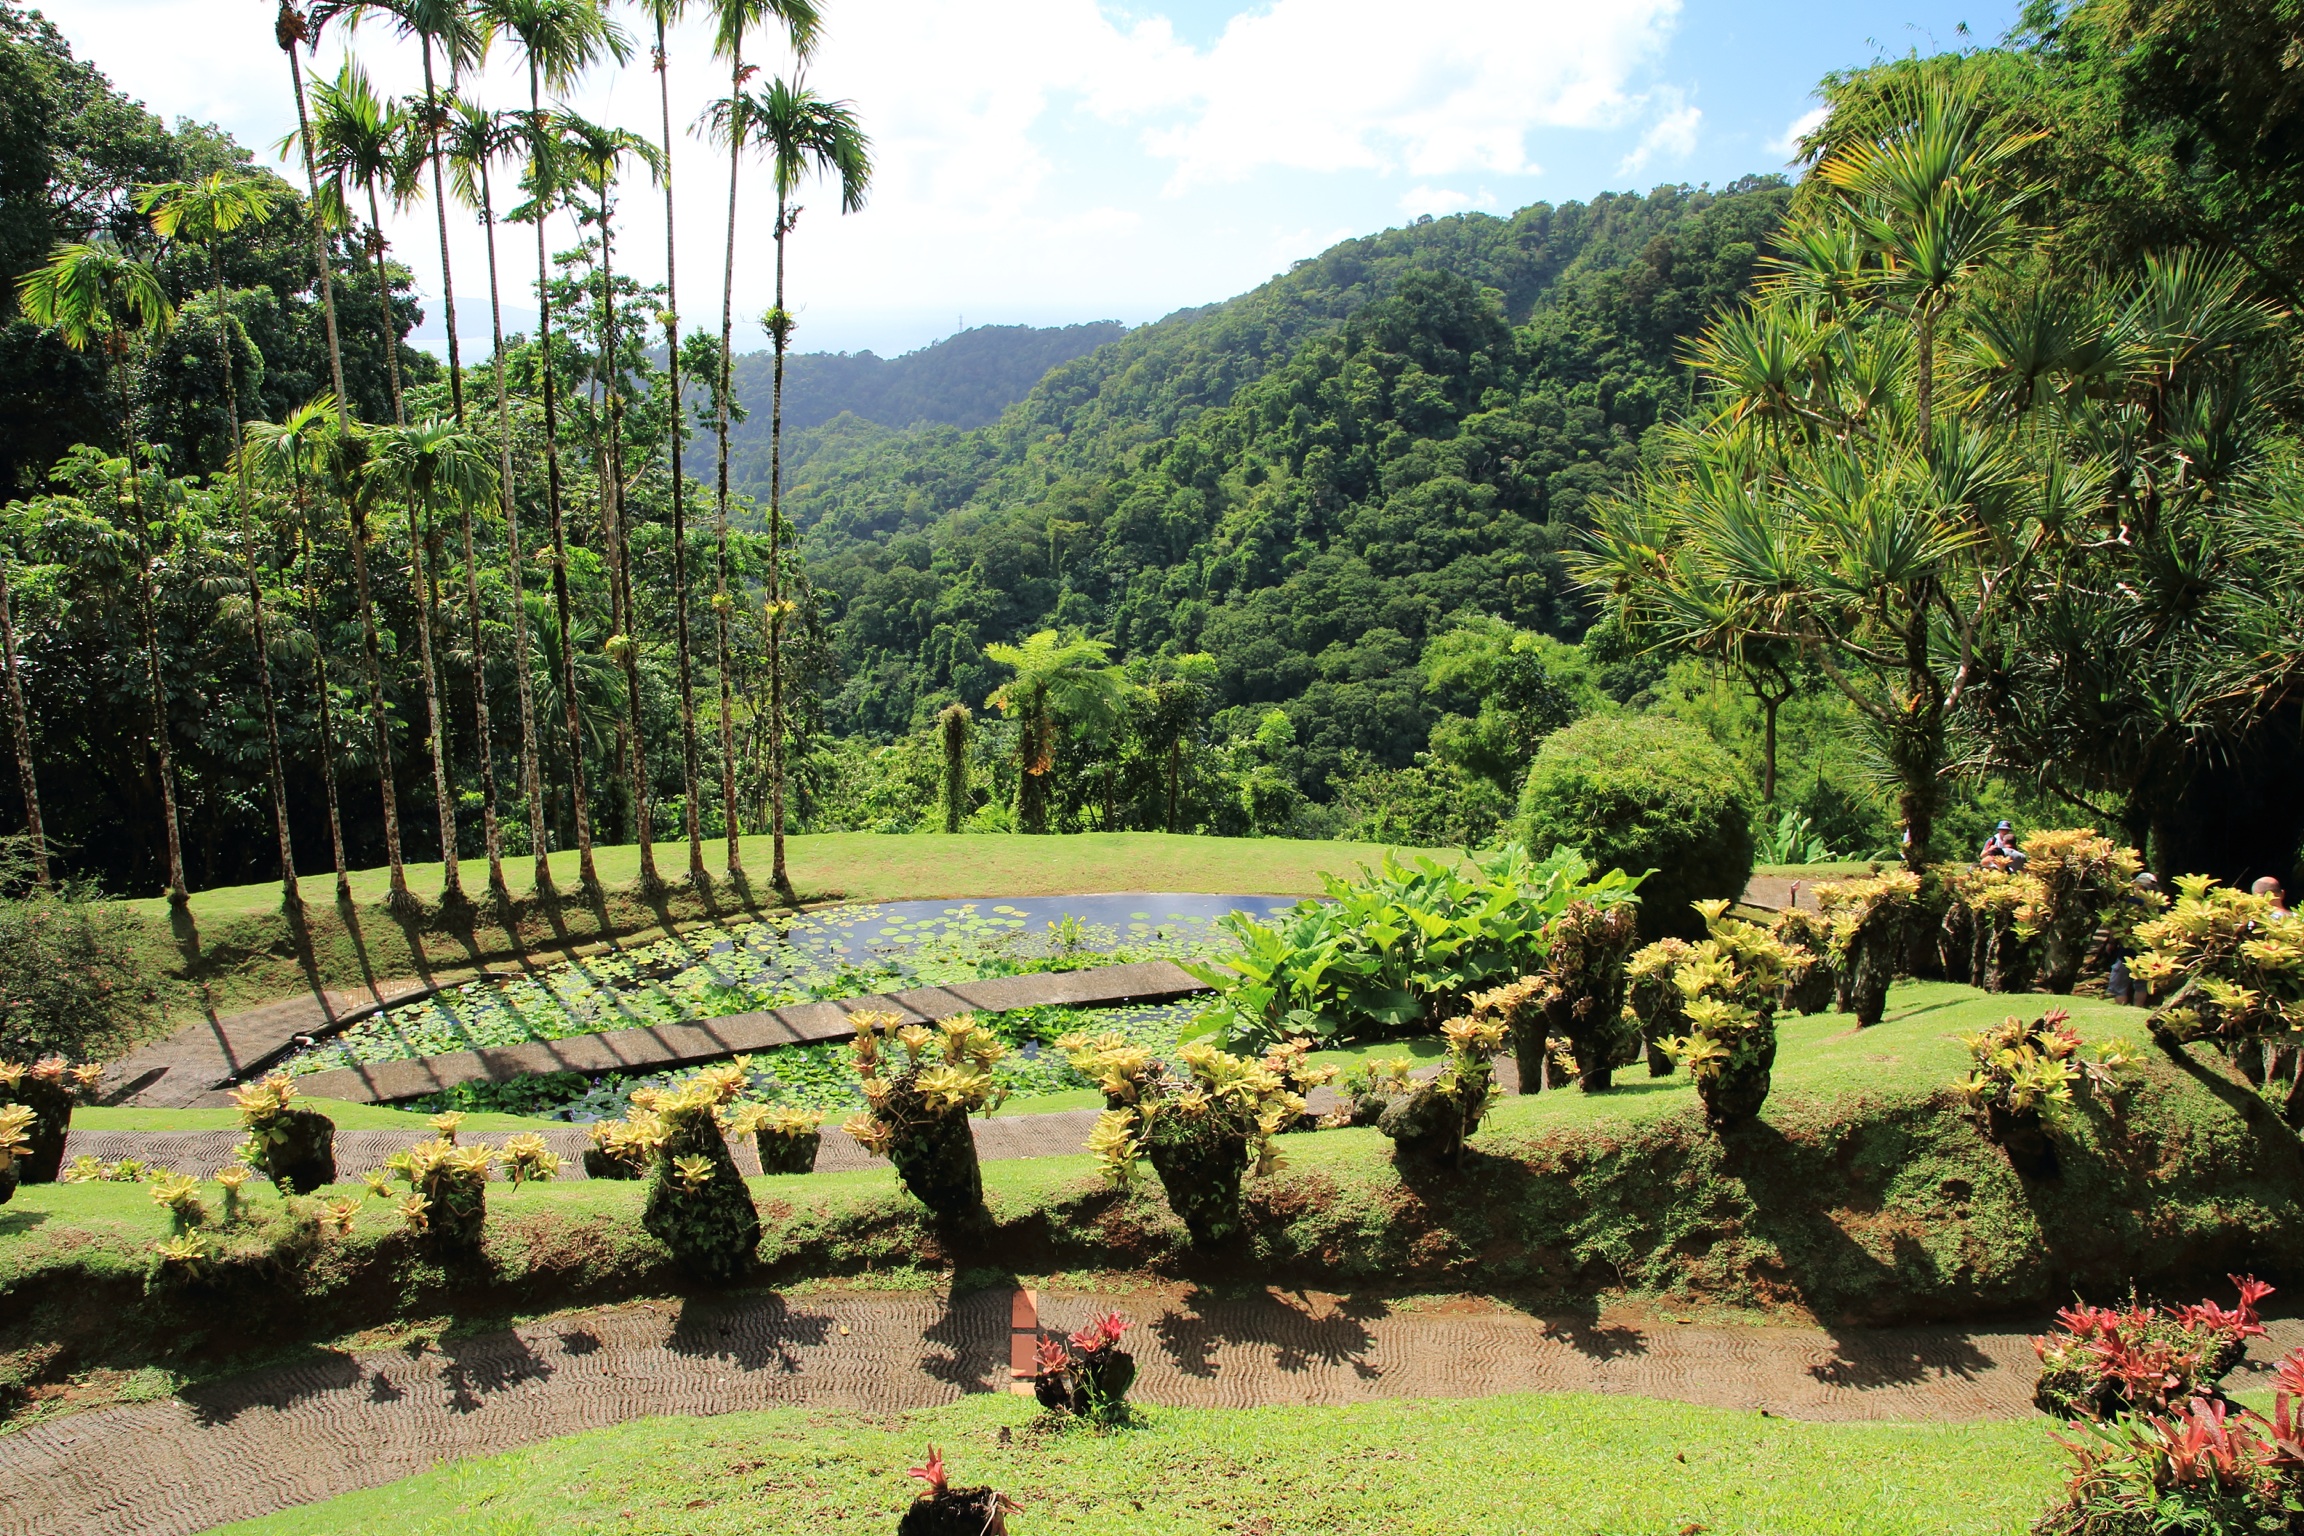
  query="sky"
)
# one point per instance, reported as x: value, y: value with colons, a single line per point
x: 1051, y: 161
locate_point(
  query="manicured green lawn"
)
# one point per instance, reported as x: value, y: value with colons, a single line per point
x: 1558, y: 1465
x: 868, y: 866
x: 348, y: 1116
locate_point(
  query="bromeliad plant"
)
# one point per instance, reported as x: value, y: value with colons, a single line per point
x: 47, y: 1088
x: 294, y: 1148
x: 1655, y: 1001
x: 921, y: 1085
x: 1868, y: 918
x: 621, y: 1148
x: 528, y: 1161
x: 447, y: 1199
x: 15, y: 1147
x: 943, y: 1510
x: 1201, y: 1133
x: 697, y: 1204
x: 1582, y: 999
x: 1402, y: 945
x: 2231, y: 971
x: 1088, y: 1374
x: 1810, y: 987
x: 2086, y: 883
x: 1434, y: 1118
x: 179, y: 1195
x: 2027, y: 1077
x: 1729, y: 984
x: 1999, y: 913
x: 786, y: 1138
x: 2106, y: 1361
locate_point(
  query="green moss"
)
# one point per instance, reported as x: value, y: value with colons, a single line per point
x: 1406, y: 1468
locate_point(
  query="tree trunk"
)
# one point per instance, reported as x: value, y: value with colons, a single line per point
x: 1175, y: 776
x: 391, y: 333
x: 677, y: 429
x: 145, y: 595
x: 290, y: 896
x: 1768, y: 751
x: 419, y: 545
x: 21, y: 725
x: 327, y: 727
x: 781, y: 336
x: 589, y: 876
x: 720, y: 599
x: 400, y: 898
x: 612, y: 507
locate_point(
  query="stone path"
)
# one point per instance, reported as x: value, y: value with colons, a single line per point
x: 190, y: 1066
x: 252, y: 1444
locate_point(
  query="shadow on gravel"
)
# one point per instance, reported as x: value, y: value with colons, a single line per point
x: 1861, y: 1359
x: 1581, y: 1330
x: 759, y: 1333
x: 1297, y: 1337
x: 216, y: 1403
x: 973, y: 1339
x: 477, y: 1369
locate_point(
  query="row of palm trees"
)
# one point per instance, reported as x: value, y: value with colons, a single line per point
x: 351, y: 141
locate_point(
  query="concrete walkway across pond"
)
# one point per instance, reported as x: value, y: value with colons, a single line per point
x: 248, y: 1445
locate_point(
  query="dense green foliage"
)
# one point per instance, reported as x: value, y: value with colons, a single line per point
x: 1646, y: 795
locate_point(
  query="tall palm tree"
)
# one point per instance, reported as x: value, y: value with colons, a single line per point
x: 202, y: 213
x: 288, y: 29
x: 731, y: 123
x: 558, y: 41
x: 1058, y: 679
x: 595, y: 153
x: 476, y: 138
x: 293, y: 455
x: 663, y: 13
x: 805, y: 136
x: 20, y: 724
x: 97, y: 296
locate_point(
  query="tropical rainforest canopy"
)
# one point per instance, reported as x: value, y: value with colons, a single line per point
x: 1953, y: 475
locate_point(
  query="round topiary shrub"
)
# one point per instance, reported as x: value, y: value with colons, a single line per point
x: 1641, y: 792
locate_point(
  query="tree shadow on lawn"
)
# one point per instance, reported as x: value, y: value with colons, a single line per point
x: 13, y: 1222
x: 1300, y: 1335
x: 760, y: 1332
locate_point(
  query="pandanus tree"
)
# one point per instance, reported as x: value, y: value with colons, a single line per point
x: 431, y: 467
x: 595, y: 154
x: 558, y: 40
x: 476, y: 139
x: 1061, y: 681
x: 289, y: 29
x: 733, y: 124
x: 95, y: 296
x: 292, y: 457
x: 202, y: 213
x: 805, y: 136
x: 663, y: 13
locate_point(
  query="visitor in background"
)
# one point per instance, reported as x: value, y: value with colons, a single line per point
x: 2000, y: 850
x: 2269, y: 886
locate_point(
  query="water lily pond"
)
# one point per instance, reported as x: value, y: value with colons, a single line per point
x: 833, y: 953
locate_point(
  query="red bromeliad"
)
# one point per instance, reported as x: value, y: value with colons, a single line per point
x: 1103, y: 1333
x: 932, y: 1474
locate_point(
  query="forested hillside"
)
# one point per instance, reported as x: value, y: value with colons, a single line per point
x: 1307, y: 482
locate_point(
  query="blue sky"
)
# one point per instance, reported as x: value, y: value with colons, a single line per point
x: 1047, y: 161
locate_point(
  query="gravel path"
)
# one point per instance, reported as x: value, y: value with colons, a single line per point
x: 252, y: 1444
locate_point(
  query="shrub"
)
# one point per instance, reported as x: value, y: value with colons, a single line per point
x: 1999, y: 912
x: 1088, y: 1374
x: 47, y: 1088
x: 2106, y: 1361
x: 2231, y: 972
x: 1729, y: 984
x: 294, y: 1148
x: 15, y: 1147
x: 1200, y: 1134
x: 73, y: 973
x: 528, y: 1161
x: 1655, y: 1001
x: 1400, y: 946
x: 942, y: 1510
x: 2086, y: 882
x: 621, y: 1148
x: 787, y: 1139
x: 1810, y: 987
x: 2206, y: 1467
x: 697, y: 1204
x: 1433, y: 1119
x: 920, y: 1103
x: 447, y: 1201
x: 1368, y: 1088
x: 1642, y: 792
x: 1582, y: 1000
x: 1868, y: 918
x: 2026, y: 1078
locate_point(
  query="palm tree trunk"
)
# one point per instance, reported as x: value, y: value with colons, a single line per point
x: 721, y: 602
x: 374, y: 245
x: 677, y: 418
x: 780, y: 337
x: 288, y: 31
x: 531, y: 777
x: 327, y: 726
x: 289, y: 895
x: 440, y: 206
x: 21, y: 724
x: 588, y: 875
x: 177, y: 893
x: 419, y: 545
x: 620, y: 556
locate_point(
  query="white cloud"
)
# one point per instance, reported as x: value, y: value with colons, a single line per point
x: 1799, y: 128
x: 1442, y: 200
x: 1671, y: 136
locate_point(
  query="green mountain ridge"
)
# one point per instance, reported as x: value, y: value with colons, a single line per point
x: 1308, y: 481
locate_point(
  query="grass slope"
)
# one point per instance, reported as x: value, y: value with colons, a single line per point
x: 1484, y: 1467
